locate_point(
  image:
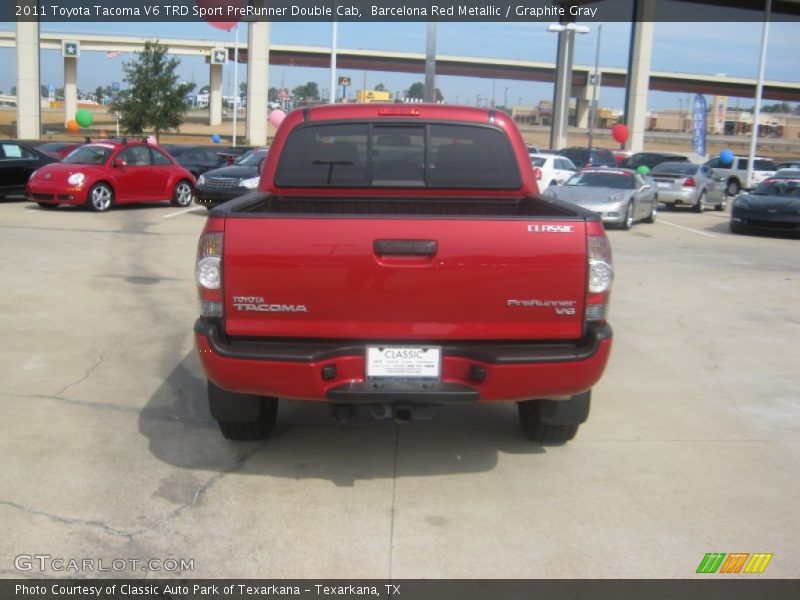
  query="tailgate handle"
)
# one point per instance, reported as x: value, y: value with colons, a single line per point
x: 405, y: 247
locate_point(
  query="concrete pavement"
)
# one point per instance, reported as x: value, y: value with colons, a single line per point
x: 692, y: 446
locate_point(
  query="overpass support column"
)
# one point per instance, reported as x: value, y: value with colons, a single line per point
x: 583, y: 103
x: 70, y: 88
x: 558, y: 132
x: 215, y: 95
x: 29, y: 101
x: 258, y: 82
x: 639, y: 73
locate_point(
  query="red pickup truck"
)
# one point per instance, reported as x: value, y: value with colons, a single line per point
x: 399, y: 257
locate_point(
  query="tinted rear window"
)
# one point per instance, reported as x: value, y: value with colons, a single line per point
x: 397, y: 155
x: 579, y: 156
x: 686, y: 168
x: 764, y: 165
x: 622, y: 181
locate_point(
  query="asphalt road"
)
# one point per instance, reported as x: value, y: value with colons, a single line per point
x: 108, y: 450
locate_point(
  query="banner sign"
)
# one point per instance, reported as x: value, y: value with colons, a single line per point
x: 699, y: 125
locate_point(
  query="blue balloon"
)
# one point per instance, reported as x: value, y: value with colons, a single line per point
x: 726, y: 156
x: 216, y: 139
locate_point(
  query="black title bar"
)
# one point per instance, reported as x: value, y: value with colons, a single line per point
x: 75, y: 11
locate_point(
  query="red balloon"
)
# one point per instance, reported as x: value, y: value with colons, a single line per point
x: 620, y: 132
x: 215, y: 9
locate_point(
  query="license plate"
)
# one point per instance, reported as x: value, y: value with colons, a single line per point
x: 404, y: 362
x: 664, y: 184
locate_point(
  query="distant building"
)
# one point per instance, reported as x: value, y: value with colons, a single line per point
x: 373, y: 96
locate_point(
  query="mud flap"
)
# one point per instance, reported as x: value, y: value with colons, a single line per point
x: 232, y: 407
x: 565, y: 412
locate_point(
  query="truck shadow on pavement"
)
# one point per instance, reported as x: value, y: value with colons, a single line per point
x: 307, y: 443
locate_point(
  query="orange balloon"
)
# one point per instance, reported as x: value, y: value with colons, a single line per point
x: 72, y: 126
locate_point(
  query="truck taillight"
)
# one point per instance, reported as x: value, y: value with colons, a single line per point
x: 601, y: 275
x: 208, y: 273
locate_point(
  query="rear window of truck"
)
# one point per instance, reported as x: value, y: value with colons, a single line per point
x: 398, y: 155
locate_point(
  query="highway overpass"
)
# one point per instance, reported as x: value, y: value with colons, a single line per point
x: 408, y: 62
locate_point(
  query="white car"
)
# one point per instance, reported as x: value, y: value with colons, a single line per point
x: 735, y: 173
x: 551, y: 169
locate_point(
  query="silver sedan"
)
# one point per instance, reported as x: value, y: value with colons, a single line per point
x: 688, y: 184
x: 620, y: 196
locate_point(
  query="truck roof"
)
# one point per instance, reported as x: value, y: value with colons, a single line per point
x: 394, y: 110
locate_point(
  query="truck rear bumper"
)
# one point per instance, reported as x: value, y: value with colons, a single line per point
x: 333, y: 371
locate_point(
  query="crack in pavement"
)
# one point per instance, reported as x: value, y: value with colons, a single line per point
x: 144, y: 412
x: 88, y: 372
x: 715, y: 366
x: 65, y: 520
x: 392, y: 511
x: 198, y: 494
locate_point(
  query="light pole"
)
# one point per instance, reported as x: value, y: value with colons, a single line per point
x: 596, y: 83
x: 566, y: 39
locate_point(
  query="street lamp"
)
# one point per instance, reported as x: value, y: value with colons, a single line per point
x: 566, y: 34
x: 595, y: 84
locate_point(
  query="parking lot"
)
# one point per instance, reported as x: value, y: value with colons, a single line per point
x: 692, y: 445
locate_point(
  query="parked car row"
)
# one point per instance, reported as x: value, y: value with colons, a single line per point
x: 102, y: 173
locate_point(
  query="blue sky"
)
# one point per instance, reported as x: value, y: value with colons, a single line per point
x: 706, y: 48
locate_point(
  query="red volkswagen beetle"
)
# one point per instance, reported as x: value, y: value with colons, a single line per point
x: 108, y: 172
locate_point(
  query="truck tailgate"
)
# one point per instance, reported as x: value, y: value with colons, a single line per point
x: 397, y: 278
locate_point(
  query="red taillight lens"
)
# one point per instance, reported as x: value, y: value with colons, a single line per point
x: 208, y: 273
x: 601, y: 275
x: 689, y: 182
x: 537, y: 172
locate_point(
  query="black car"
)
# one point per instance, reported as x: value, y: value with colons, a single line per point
x: 651, y: 159
x: 220, y: 185
x: 196, y: 159
x: 773, y: 207
x: 589, y: 157
x: 17, y: 162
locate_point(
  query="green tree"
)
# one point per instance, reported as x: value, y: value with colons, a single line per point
x: 417, y: 90
x: 154, y: 98
x: 272, y: 94
x: 99, y: 92
x: 309, y: 91
x: 778, y: 107
x: 380, y: 88
x: 13, y: 90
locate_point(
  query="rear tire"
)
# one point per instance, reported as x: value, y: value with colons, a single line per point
x: 701, y: 203
x: 651, y: 218
x: 537, y: 430
x: 627, y: 223
x: 242, y: 417
x: 733, y: 187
